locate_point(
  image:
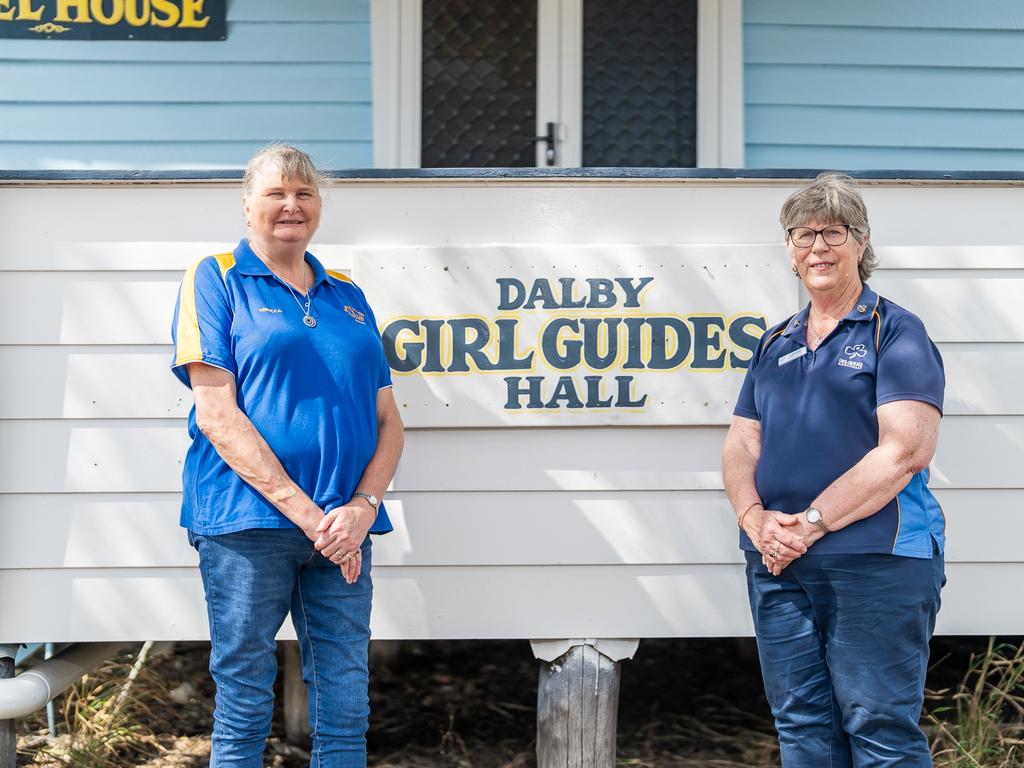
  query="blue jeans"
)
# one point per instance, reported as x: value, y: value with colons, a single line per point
x: 843, y: 642
x: 252, y: 579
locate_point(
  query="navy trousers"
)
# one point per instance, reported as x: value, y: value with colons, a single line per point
x: 843, y: 642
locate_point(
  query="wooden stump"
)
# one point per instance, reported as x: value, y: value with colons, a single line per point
x: 578, y: 710
x: 8, y: 739
x: 296, y: 702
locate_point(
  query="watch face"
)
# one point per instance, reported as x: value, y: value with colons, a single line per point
x: 813, y: 515
x: 374, y: 501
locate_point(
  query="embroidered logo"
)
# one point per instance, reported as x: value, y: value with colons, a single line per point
x: 852, y: 353
x: 356, y: 315
x: 271, y: 310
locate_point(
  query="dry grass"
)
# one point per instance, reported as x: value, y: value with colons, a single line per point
x: 980, y: 723
x: 683, y: 704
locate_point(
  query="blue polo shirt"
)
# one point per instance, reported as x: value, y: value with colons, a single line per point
x: 311, y: 392
x: 817, y: 414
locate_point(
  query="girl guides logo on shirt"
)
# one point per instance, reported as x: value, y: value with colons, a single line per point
x: 850, y: 357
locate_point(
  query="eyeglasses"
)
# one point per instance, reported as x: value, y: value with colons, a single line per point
x: 804, y: 237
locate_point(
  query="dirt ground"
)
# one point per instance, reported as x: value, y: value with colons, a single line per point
x: 462, y: 704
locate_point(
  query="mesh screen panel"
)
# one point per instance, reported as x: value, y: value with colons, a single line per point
x: 640, y: 83
x: 479, y: 83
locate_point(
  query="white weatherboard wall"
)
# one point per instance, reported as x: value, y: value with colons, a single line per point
x: 290, y: 71
x: 541, y: 532
x: 915, y: 84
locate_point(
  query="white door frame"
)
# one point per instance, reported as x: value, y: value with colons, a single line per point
x: 396, y: 64
x: 560, y: 78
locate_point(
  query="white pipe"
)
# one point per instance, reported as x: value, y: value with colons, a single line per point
x: 32, y: 689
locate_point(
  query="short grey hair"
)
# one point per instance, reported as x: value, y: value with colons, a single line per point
x: 291, y: 162
x: 832, y: 198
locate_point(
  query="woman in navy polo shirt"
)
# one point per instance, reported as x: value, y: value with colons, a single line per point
x: 825, y: 465
x: 295, y: 437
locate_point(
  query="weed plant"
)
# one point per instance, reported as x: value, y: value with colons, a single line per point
x: 104, y: 720
x: 982, y: 725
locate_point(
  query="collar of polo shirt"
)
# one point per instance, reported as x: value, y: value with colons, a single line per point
x: 248, y: 263
x: 861, y: 312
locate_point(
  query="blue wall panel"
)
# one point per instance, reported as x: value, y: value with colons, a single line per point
x: 297, y: 72
x: 915, y: 85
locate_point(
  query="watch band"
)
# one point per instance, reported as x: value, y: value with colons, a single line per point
x: 374, y: 501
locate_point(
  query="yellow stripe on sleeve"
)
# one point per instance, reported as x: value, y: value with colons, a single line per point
x: 189, y: 345
x: 339, y: 276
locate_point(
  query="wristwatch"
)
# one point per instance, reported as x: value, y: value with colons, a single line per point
x: 814, y: 518
x: 374, y: 501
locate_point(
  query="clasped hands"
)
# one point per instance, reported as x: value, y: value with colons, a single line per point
x: 779, y: 537
x: 339, y: 535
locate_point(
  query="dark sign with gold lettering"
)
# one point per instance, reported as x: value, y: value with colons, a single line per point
x: 113, y: 19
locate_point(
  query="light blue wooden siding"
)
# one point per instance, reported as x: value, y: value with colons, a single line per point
x: 877, y: 84
x: 291, y: 71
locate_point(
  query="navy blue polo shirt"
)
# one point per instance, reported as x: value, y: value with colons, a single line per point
x: 817, y: 413
x: 311, y: 392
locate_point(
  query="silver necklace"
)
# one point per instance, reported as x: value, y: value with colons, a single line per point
x: 307, y: 318
x: 818, y: 338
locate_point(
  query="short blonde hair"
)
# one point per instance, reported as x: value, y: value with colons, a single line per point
x: 291, y: 162
x: 832, y: 198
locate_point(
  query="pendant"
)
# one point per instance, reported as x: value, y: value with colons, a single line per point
x: 309, y: 320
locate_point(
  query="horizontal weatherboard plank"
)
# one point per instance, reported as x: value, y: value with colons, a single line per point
x: 470, y: 528
x: 136, y: 307
x: 185, y: 122
x: 880, y: 45
x: 853, y: 158
x: 195, y: 157
x: 183, y: 83
x: 884, y: 126
x: 995, y: 14
x: 850, y: 85
x: 133, y: 382
x: 468, y: 602
x: 344, y: 42
x: 308, y: 10
x: 960, y: 305
x: 52, y: 252
x: 54, y: 456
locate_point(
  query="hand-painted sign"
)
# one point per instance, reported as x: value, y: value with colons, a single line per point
x: 571, y: 335
x: 113, y: 19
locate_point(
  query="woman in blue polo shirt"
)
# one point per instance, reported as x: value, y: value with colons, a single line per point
x: 295, y: 437
x: 825, y: 465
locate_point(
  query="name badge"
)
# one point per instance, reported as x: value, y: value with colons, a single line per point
x: 793, y: 355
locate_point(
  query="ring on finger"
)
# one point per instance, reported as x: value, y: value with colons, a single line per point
x: 774, y: 553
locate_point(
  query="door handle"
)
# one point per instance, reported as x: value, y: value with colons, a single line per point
x: 551, y: 139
